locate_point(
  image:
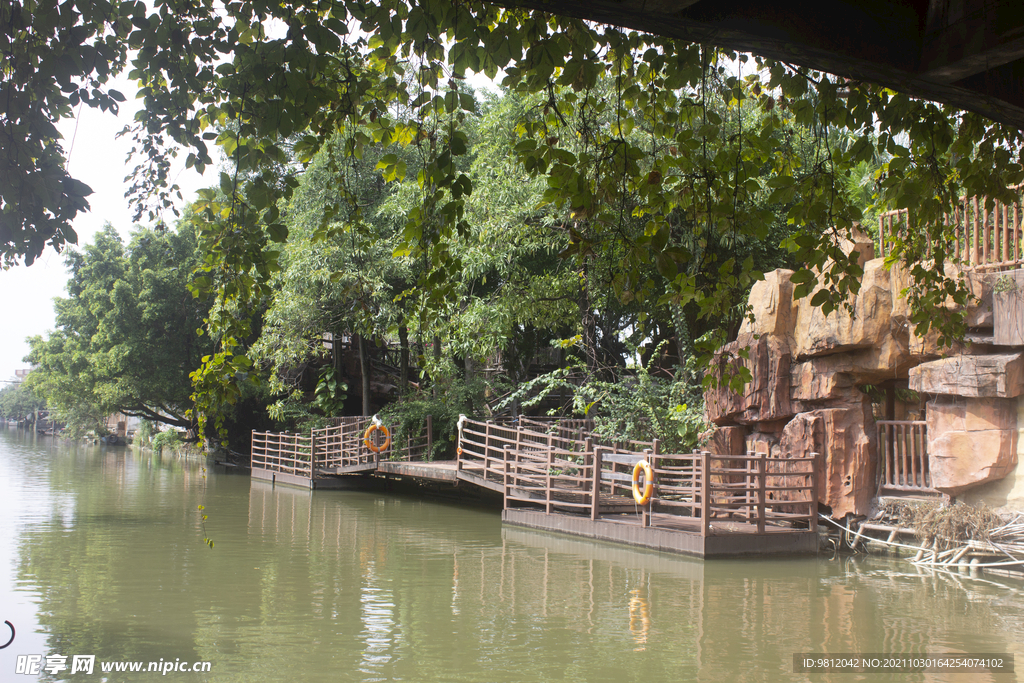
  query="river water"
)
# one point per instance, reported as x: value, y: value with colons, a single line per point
x: 102, y: 554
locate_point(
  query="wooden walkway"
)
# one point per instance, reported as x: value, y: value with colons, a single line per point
x: 560, y: 478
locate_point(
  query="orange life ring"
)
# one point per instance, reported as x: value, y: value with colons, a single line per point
x: 643, y: 498
x: 369, y: 444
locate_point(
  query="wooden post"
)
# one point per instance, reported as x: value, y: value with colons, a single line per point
x: 547, y: 480
x: 705, y: 489
x: 429, y: 455
x: 312, y: 453
x: 881, y: 236
x: 975, y: 238
x: 813, y: 511
x: 749, y: 486
x: 504, y: 478
x: 645, y: 514
x: 487, y: 447
x: 595, y: 490
x: 762, y: 474
x: 341, y: 443
x: 655, y: 450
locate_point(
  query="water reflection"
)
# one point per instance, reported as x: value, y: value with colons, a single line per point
x: 351, y: 586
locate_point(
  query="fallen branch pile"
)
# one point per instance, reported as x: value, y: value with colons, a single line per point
x: 944, y: 535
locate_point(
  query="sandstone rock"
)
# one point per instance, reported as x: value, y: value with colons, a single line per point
x: 805, y: 434
x: 816, y: 334
x: 761, y: 442
x: 901, y: 279
x: 980, y: 312
x: 803, y: 437
x: 1008, y: 305
x: 996, y: 376
x: 766, y: 396
x: 818, y: 382
x: 970, y: 441
x: 728, y: 441
x: 771, y: 303
x: 862, y: 243
x: 846, y: 441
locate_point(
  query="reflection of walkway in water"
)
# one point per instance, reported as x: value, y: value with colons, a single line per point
x: 491, y: 589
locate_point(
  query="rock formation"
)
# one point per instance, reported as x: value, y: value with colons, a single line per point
x: 810, y: 377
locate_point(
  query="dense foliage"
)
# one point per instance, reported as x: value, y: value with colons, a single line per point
x: 19, y: 402
x: 127, y: 335
x: 662, y: 166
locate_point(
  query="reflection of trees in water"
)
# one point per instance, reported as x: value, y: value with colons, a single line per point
x: 355, y: 586
x: 116, y: 519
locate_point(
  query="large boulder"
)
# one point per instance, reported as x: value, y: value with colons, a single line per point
x: 862, y: 243
x: 772, y: 307
x: 845, y: 440
x: 867, y: 326
x: 765, y: 397
x: 729, y: 440
x: 970, y: 441
x: 1008, y: 298
x: 978, y: 313
x: 996, y: 376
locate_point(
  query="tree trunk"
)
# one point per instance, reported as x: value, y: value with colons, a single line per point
x: 364, y: 370
x: 588, y: 323
x: 403, y: 339
x: 437, y: 361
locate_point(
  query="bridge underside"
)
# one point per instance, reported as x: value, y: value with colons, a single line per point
x: 967, y: 53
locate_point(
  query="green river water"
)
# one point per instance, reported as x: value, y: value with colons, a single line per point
x: 102, y: 554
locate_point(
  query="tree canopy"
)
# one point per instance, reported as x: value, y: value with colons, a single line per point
x: 653, y: 151
x: 127, y: 334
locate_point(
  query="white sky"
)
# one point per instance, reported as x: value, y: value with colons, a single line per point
x: 96, y: 158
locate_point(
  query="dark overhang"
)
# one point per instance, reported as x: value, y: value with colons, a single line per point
x: 967, y: 53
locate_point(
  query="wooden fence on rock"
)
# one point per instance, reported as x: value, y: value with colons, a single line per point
x: 984, y: 239
x: 903, y: 455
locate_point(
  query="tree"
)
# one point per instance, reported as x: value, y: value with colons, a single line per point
x: 212, y: 73
x: 127, y: 335
x: 18, y: 401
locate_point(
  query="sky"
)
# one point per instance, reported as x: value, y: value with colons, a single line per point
x: 96, y: 158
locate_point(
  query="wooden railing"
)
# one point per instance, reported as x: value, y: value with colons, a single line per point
x: 283, y: 452
x: 985, y: 240
x: 418, y: 446
x: 341, y: 446
x: 566, y: 475
x: 903, y: 445
x: 699, y: 486
x: 337, y: 449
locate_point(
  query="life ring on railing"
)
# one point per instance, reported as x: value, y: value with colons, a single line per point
x: 643, y: 498
x: 368, y: 442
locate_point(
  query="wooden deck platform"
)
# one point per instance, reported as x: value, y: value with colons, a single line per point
x: 697, y: 504
x: 672, y: 534
x: 343, y: 477
x: 304, y: 481
x: 443, y: 470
